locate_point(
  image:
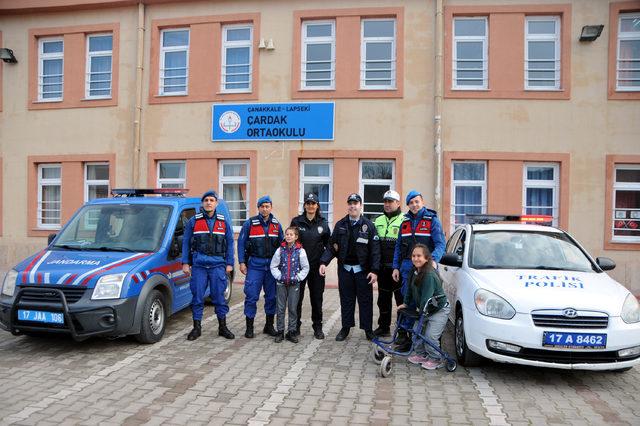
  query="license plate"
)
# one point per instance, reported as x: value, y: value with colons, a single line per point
x: 41, y: 316
x: 574, y: 340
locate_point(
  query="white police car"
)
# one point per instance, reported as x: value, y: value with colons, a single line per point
x: 530, y: 294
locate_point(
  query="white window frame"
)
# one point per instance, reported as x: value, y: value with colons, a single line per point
x: 624, y: 186
x: 557, y: 52
x: 318, y: 40
x: 90, y: 55
x: 48, y: 182
x: 222, y: 180
x: 171, y: 181
x: 164, y: 50
x: 625, y: 36
x: 316, y: 179
x: 231, y: 44
x: 554, y: 185
x: 94, y: 182
x: 363, y: 52
x: 485, y: 54
x: 482, y: 184
x: 49, y: 56
x: 391, y: 182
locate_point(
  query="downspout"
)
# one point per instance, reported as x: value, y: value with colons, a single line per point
x: 437, y: 102
x: 137, y: 127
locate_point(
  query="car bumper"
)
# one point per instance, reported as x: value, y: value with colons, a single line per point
x: 521, y: 331
x: 82, y: 319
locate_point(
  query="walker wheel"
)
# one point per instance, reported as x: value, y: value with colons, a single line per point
x: 377, y: 354
x: 451, y: 366
x: 385, y: 366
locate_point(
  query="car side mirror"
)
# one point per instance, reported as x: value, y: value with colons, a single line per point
x: 605, y: 263
x: 176, y: 247
x: 50, y: 238
x: 451, y: 259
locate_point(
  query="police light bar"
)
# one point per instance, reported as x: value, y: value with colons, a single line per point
x: 141, y: 192
x: 493, y: 218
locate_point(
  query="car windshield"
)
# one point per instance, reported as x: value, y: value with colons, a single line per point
x: 111, y: 227
x: 526, y: 250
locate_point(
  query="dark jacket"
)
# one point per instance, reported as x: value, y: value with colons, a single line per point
x: 367, y: 247
x: 314, y: 236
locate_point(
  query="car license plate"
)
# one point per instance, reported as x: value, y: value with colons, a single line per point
x: 41, y: 316
x: 574, y: 340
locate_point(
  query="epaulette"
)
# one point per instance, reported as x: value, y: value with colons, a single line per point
x: 255, y: 222
x: 199, y: 216
x: 274, y: 220
x: 220, y: 216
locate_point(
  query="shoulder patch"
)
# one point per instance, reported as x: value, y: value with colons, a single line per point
x: 274, y: 220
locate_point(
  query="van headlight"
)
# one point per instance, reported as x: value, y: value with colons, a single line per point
x: 108, y: 287
x: 492, y: 305
x: 630, y: 310
x: 9, y: 283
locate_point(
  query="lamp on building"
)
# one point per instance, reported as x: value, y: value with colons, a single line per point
x: 7, y: 56
x: 591, y: 32
x: 262, y: 44
x: 270, y: 45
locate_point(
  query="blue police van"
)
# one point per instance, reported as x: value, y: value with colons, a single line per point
x: 113, y: 270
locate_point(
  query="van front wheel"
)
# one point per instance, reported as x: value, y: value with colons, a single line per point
x: 153, y: 318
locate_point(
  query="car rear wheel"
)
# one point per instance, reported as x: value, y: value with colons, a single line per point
x: 153, y: 319
x: 465, y: 356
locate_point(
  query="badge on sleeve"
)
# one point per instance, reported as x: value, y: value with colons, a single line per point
x: 364, y: 228
x: 319, y: 229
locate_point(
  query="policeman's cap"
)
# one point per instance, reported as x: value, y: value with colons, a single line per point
x: 354, y: 197
x: 311, y: 198
x: 209, y: 193
x: 391, y: 195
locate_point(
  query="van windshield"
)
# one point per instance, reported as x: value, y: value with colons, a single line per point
x: 122, y: 227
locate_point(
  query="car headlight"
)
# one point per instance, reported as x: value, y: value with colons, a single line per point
x: 9, y: 283
x: 630, y: 310
x: 108, y: 287
x: 492, y: 305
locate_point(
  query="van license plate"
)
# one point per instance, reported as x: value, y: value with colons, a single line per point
x: 41, y: 316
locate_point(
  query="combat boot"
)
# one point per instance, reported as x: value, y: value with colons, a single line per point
x: 223, y: 330
x: 196, y: 331
x: 249, y: 333
x: 268, y: 327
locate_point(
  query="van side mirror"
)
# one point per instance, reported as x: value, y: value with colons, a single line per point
x: 451, y: 259
x: 50, y: 238
x: 605, y: 263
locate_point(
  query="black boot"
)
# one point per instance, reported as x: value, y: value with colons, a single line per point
x: 344, y: 332
x: 291, y: 336
x: 268, y: 327
x: 279, y: 336
x: 403, y: 341
x: 196, y: 331
x: 249, y: 333
x: 223, y: 330
x: 317, y: 332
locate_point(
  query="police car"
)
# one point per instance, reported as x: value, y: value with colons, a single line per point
x: 113, y: 270
x: 529, y: 294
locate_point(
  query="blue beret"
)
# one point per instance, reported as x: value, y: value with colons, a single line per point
x: 209, y: 193
x: 412, y: 194
x: 264, y: 199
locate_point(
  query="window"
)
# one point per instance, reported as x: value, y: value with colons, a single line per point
x: 316, y: 176
x: 376, y: 178
x: 628, y: 59
x: 541, y: 190
x: 172, y: 174
x: 99, y: 55
x: 236, y: 59
x: 469, y: 191
x: 174, y: 62
x: 234, y: 189
x: 318, y: 55
x: 470, y: 62
x: 49, y: 195
x: 626, y: 204
x: 50, y: 69
x: 378, y: 53
x: 542, y: 53
x: 96, y: 181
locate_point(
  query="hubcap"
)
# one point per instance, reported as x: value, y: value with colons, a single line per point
x: 459, y: 336
x: 156, y: 316
x: 227, y: 290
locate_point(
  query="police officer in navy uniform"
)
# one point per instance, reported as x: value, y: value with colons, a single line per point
x: 314, y: 237
x: 207, y: 255
x: 354, y: 243
x: 258, y: 241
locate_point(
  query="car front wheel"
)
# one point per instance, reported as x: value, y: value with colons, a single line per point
x: 153, y: 319
x: 465, y: 356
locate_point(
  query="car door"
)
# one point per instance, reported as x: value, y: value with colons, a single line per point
x: 179, y: 281
x: 456, y: 245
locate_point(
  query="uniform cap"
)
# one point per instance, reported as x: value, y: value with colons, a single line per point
x: 311, y: 198
x: 412, y: 194
x: 264, y: 199
x: 209, y: 193
x: 354, y: 197
x: 391, y: 195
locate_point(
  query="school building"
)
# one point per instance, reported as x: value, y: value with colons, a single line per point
x: 487, y: 106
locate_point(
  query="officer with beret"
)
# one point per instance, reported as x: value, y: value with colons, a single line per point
x: 258, y: 241
x: 354, y: 243
x: 207, y: 255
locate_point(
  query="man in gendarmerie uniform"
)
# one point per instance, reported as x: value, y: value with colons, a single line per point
x: 258, y: 241
x: 388, y: 228
x: 207, y: 255
x: 314, y: 237
x: 354, y: 243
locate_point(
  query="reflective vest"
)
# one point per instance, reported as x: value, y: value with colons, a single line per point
x: 388, y: 231
x: 211, y: 242
x: 263, y: 244
x: 410, y: 237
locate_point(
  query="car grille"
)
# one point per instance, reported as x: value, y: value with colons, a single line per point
x: 585, y: 319
x: 565, y: 357
x: 45, y: 294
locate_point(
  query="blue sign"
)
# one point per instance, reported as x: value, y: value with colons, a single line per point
x: 273, y: 122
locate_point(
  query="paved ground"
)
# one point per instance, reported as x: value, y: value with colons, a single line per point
x: 211, y: 380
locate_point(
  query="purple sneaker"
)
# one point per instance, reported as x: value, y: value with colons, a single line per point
x: 417, y: 359
x: 432, y: 364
